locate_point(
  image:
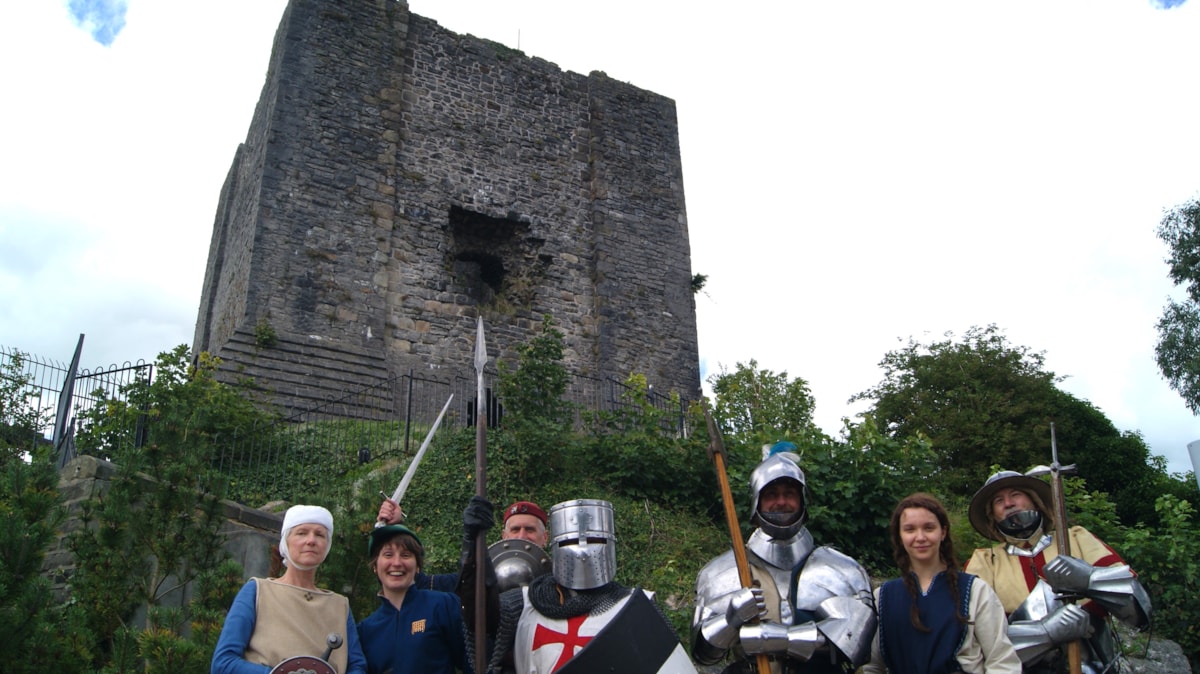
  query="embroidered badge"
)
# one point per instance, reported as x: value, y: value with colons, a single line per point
x: 418, y: 626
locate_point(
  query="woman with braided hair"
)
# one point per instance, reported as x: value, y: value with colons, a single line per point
x: 935, y: 619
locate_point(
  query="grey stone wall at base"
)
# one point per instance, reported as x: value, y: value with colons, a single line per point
x: 1162, y: 657
x: 398, y: 180
x: 248, y: 533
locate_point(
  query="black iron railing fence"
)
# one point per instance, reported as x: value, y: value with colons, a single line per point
x: 45, y: 383
x: 266, y: 464
x: 290, y: 458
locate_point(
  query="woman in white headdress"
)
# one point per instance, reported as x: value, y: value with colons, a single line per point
x: 273, y: 619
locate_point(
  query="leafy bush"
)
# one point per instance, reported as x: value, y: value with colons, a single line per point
x: 537, y: 419
x: 856, y: 483
x: 40, y: 633
x: 630, y: 451
x: 1169, y: 568
x: 20, y: 420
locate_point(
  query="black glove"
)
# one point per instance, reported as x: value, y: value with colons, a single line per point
x: 478, y: 516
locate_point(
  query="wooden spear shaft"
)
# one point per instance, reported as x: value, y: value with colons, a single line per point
x: 1074, y: 657
x: 716, y: 452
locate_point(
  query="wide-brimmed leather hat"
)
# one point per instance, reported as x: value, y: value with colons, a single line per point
x: 980, y: 511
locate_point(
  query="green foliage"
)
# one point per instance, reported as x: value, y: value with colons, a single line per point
x: 176, y: 640
x: 1169, y: 569
x: 698, y: 282
x: 979, y: 401
x: 156, y: 527
x: 982, y: 401
x: 1178, y: 348
x: 537, y: 419
x: 264, y: 334
x: 20, y: 420
x: 631, y: 449
x: 761, y: 407
x: 856, y: 483
x: 41, y: 634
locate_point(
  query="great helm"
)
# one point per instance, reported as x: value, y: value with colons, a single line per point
x: 583, y: 548
x: 774, y: 467
x: 980, y: 510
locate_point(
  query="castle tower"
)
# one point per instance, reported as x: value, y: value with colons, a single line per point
x: 398, y: 180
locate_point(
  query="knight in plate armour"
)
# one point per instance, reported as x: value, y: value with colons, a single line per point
x: 1033, y: 580
x: 812, y: 610
x: 578, y: 618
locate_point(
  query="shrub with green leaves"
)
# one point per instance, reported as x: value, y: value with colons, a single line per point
x: 40, y: 633
x: 537, y: 418
x: 1169, y: 568
x: 629, y: 449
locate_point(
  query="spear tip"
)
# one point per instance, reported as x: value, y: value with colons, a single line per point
x: 480, y: 347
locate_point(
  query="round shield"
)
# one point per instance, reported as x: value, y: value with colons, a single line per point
x: 303, y: 664
x: 517, y: 562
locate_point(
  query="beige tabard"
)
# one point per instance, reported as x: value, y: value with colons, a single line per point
x: 292, y: 621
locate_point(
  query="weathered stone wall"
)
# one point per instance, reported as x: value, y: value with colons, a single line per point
x: 248, y: 533
x: 399, y: 179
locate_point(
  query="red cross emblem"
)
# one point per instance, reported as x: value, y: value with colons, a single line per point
x: 544, y: 636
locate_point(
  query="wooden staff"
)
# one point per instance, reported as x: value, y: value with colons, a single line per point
x: 1074, y: 659
x: 716, y: 452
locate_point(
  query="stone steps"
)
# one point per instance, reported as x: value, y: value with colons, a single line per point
x: 296, y: 374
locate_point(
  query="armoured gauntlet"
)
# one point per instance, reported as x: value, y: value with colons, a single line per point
x: 1034, y: 638
x: 798, y: 641
x: 1113, y: 587
x: 845, y: 625
x: 745, y: 604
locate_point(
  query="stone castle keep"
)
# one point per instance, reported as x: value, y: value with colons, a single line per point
x: 398, y: 180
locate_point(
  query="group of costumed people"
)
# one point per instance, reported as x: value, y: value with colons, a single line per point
x: 1013, y: 607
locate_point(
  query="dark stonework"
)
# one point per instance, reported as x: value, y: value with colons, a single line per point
x: 399, y: 179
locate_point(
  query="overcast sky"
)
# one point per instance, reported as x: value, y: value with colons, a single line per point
x: 857, y: 173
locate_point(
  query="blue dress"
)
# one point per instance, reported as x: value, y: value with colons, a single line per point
x: 425, y: 635
x: 907, y: 649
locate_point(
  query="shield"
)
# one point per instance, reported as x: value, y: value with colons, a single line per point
x: 517, y: 562
x: 636, y: 641
x: 303, y: 664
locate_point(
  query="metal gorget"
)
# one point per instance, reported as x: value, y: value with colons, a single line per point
x: 1042, y: 544
x: 782, y: 554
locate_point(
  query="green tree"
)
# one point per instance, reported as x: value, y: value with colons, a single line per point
x: 984, y: 402
x: 537, y: 418
x: 156, y: 527
x: 759, y: 406
x: 1178, y: 348
x: 41, y: 633
x: 979, y: 401
x: 20, y: 420
x: 855, y: 482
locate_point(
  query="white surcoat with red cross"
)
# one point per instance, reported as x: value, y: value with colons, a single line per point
x: 543, y: 645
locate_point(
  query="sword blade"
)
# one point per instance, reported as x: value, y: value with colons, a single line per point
x: 402, y: 488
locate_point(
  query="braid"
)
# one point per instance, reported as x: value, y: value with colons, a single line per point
x: 946, y: 550
x: 910, y: 582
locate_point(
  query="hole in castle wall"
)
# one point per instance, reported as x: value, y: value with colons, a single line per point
x: 494, y: 258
